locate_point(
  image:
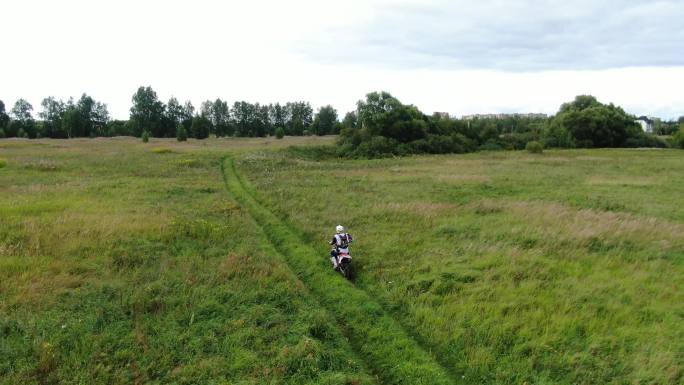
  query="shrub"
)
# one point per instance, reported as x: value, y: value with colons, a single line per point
x: 557, y: 136
x: 678, y: 139
x: 162, y: 150
x: 201, y: 127
x: 181, y: 133
x: 2, y: 133
x: 377, y: 147
x: 145, y: 136
x: 3, y: 162
x: 517, y: 140
x: 279, y: 132
x: 463, y: 144
x: 646, y: 140
x: 534, y: 147
x: 490, y: 145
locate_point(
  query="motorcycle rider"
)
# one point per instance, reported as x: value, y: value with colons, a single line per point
x: 340, y: 242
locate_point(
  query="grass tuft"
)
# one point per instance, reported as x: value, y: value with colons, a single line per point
x: 162, y: 150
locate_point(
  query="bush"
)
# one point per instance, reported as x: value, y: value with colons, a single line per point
x: 2, y: 133
x: 181, y: 133
x: 279, y: 132
x: 162, y: 150
x: 145, y: 136
x: 517, y: 140
x: 3, y: 162
x: 557, y: 136
x: 534, y: 147
x: 678, y: 139
x: 463, y: 144
x: 201, y: 127
x: 646, y: 140
x: 377, y: 147
x: 490, y: 145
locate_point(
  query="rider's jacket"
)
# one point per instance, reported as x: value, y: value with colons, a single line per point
x: 341, y: 242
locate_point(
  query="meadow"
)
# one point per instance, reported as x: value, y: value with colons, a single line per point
x: 128, y: 263
x: 560, y: 268
x: 205, y: 262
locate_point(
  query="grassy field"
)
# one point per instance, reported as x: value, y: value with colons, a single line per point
x: 166, y: 262
x: 128, y: 263
x: 564, y: 268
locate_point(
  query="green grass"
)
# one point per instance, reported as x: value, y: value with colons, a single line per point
x: 389, y: 349
x: 123, y: 262
x: 121, y: 266
x: 565, y: 268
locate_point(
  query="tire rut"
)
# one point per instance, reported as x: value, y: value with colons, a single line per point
x: 392, y: 353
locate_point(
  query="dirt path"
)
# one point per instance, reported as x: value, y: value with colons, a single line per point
x: 391, y: 353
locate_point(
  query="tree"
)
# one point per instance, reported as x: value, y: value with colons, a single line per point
x: 264, y: 125
x: 218, y: 113
x: 73, y: 124
x: 4, y: 118
x: 278, y: 116
x: 99, y: 119
x: 349, y: 120
x: 52, y: 114
x: 201, y: 126
x: 86, y: 107
x: 581, y: 102
x: 206, y: 111
x: 174, y: 111
x: 244, y: 115
x: 384, y: 115
x: 325, y: 120
x: 118, y: 128
x: 147, y: 112
x: 21, y: 113
x: 187, y: 115
x: 300, y: 117
x: 593, y: 124
x: 374, y: 108
x: 279, y: 132
x: 173, y: 116
x: 145, y: 136
x: 678, y: 138
x: 488, y: 131
x: 181, y: 133
x: 87, y: 117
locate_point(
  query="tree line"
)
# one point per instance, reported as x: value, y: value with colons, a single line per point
x: 384, y: 126
x: 151, y: 117
x: 381, y: 125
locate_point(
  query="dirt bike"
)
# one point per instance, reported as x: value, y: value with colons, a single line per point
x: 344, y: 265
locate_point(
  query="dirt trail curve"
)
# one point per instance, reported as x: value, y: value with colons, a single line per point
x: 389, y: 350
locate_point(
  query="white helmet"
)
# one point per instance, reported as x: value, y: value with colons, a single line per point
x: 339, y: 229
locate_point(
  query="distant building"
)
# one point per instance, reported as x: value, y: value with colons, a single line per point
x: 442, y: 115
x: 647, y: 124
x: 504, y: 116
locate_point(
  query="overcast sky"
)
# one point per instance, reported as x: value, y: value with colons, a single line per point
x: 460, y: 57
